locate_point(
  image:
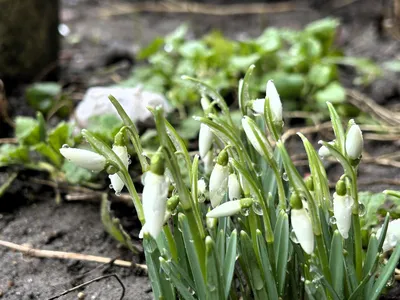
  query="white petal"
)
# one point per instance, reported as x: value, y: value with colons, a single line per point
x: 201, y: 186
x: 84, y: 158
x: 154, y: 197
x: 342, y: 206
x: 234, y: 191
x: 302, y: 227
x: 218, y: 184
x: 258, y: 106
x: 392, y: 237
x: 244, y: 184
x: 116, y: 181
x: 354, y: 142
x: 251, y: 135
x: 274, y: 101
x: 205, y: 140
x: 225, y: 209
x: 208, y: 162
x: 324, y: 152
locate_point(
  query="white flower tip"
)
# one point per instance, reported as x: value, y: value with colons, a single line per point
x: 274, y: 101
x: 324, y: 152
x: 354, y: 142
x: 84, y: 158
x: 225, y: 209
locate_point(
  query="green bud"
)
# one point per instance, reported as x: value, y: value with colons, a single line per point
x: 172, y: 202
x: 341, y: 189
x: 246, y: 202
x: 211, y: 223
x: 111, y: 169
x: 157, y: 165
x: 310, y: 183
x: 119, y: 138
x: 223, y: 158
x: 295, y: 201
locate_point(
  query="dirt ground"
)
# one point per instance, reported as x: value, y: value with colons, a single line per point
x: 98, y: 47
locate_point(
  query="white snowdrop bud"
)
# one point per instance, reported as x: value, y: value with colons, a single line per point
x: 205, y: 140
x: 258, y: 106
x: 354, y: 142
x: 245, y: 185
x: 302, y: 227
x: 342, y: 210
x: 254, y: 135
x: 84, y: 158
x: 234, y: 191
x: 201, y: 186
x: 229, y: 208
x: 274, y: 101
x: 324, y: 152
x: 208, y: 162
x: 392, y: 237
x: 219, y: 179
x: 116, y: 181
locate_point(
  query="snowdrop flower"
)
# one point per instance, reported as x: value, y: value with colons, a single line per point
x: 244, y: 184
x: 392, y: 237
x: 258, y: 106
x: 84, y: 158
x: 201, y: 190
x: 116, y: 181
x: 234, y: 191
x: 154, y: 197
x: 205, y: 140
x: 254, y: 135
x: 230, y: 208
x: 274, y: 102
x: 342, y: 209
x: 324, y: 152
x: 301, y: 224
x: 354, y: 141
x: 219, y: 179
x: 208, y: 162
x: 205, y: 103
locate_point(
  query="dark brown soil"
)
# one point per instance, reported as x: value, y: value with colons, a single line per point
x: 93, y: 44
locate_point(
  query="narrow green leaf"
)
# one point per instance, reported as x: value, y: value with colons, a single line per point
x: 281, y: 246
x: 337, y: 127
x: 266, y: 267
x: 59, y: 135
x: 244, y: 94
x: 192, y: 257
x: 215, y: 288
x: 42, y: 126
x: 48, y: 152
x: 336, y: 263
x: 152, y: 261
x: 229, y: 263
x: 113, y: 226
x: 7, y: 183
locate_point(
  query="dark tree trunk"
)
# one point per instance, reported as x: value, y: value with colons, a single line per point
x: 29, y: 41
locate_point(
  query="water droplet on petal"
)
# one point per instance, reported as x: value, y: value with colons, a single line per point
x: 65, y: 146
x: 245, y: 211
x: 257, y: 208
x: 332, y: 220
x: 293, y: 237
x: 117, y: 193
x: 129, y: 161
x: 285, y: 177
x: 111, y: 186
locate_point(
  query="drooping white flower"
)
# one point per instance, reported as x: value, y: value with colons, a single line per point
x: 205, y: 140
x: 274, y: 101
x: 84, y: 158
x: 201, y: 190
x: 154, y: 199
x: 324, y: 152
x: 244, y: 184
x: 252, y: 132
x: 230, y: 208
x: 258, y: 106
x: 218, y: 184
x: 392, y: 237
x: 342, y: 210
x: 354, y: 142
x: 116, y: 181
x: 302, y: 227
x: 234, y: 191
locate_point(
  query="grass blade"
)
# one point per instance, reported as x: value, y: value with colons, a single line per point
x: 336, y: 263
x: 229, y: 262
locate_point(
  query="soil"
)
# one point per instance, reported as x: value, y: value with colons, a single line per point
x: 99, y: 51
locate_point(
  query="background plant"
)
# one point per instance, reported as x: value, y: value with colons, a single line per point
x: 254, y: 254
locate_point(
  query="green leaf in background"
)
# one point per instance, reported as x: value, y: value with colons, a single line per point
x: 27, y: 130
x: 392, y: 65
x: 10, y: 154
x: 41, y: 96
x: 269, y: 40
x: 242, y: 63
x: 59, y: 135
x: 194, y: 49
x: 151, y: 49
x: 321, y: 74
x: 105, y: 126
x: 113, y: 226
x: 288, y: 85
x: 334, y: 93
x: 75, y: 174
x: 47, y: 151
x: 7, y: 183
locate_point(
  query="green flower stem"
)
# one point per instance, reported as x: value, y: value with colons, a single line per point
x: 281, y: 189
x: 171, y: 242
x: 138, y: 148
x: 356, y: 226
x: 323, y: 257
x: 135, y: 197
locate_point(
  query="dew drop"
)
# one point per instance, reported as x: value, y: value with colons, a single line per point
x: 174, y: 212
x: 129, y: 156
x: 257, y: 208
x: 245, y: 211
x: 391, y: 280
x: 211, y: 287
x: 191, y: 241
x: 285, y: 176
x: 191, y: 291
x: 129, y: 161
x: 361, y: 209
x: 332, y: 220
x: 65, y: 146
x: 111, y: 186
x: 117, y: 193
x: 293, y: 237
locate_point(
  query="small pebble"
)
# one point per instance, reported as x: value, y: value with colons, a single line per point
x: 81, y: 295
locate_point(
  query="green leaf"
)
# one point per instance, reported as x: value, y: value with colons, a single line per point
x: 321, y: 74
x: 392, y: 65
x: 151, y: 49
x: 27, y: 130
x: 188, y: 128
x: 48, y: 152
x: 240, y: 63
x: 6, y: 184
x: 75, y: 174
x: 13, y: 154
x: 337, y: 127
x: 215, y: 288
x: 105, y: 126
x: 334, y: 93
x: 113, y: 226
x: 193, y: 258
x: 193, y: 49
x: 41, y: 96
x: 336, y: 263
x: 281, y: 247
x: 270, y: 40
x: 289, y: 85
x: 229, y: 262
x: 59, y: 135
x: 244, y: 94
